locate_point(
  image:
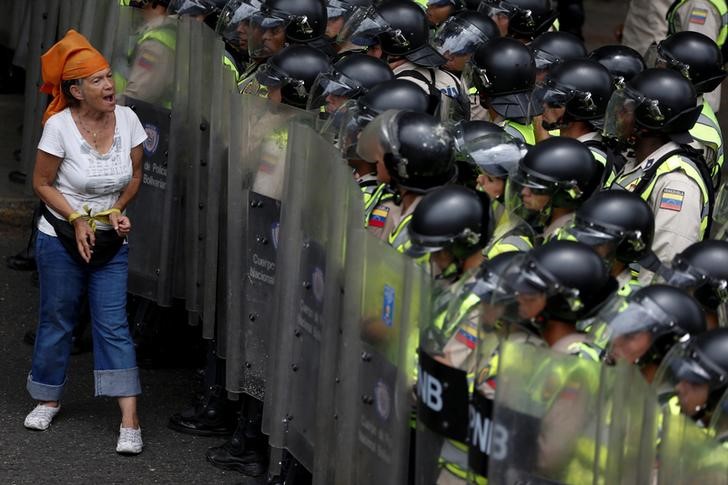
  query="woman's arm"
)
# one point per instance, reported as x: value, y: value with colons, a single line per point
x: 44, y: 174
x: 132, y: 188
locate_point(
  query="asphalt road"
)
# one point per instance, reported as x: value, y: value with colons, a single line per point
x: 79, y: 447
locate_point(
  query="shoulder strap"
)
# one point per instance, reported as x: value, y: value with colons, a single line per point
x: 421, y: 77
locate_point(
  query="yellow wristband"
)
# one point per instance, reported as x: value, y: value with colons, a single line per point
x: 74, y: 216
x: 115, y: 209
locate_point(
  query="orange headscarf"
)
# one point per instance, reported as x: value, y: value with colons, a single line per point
x: 72, y: 57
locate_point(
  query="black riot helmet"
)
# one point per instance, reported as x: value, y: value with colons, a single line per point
x: 304, y: 20
x: 571, y: 274
x: 463, y: 33
x: 503, y: 71
x: 351, y: 76
x: 581, y: 86
x: 618, y: 219
x: 563, y: 168
x: 454, y: 218
x: 694, y: 55
x: 705, y: 360
x: 703, y: 269
x: 656, y: 101
x: 553, y: 47
x: 417, y: 150
x: 344, y: 8
x: 528, y: 18
x: 395, y: 94
x: 484, y: 147
x: 399, y: 26
x: 294, y: 70
x: 622, y: 62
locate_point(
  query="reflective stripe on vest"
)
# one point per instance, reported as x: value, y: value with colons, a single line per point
x: 672, y: 164
x: 524, y: 133
x: 399, y: 238
x: 707, y: 131
x: 509, y: 244
x: 719, y: 5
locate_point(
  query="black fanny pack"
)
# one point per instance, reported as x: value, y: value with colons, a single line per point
x: 107, y: 243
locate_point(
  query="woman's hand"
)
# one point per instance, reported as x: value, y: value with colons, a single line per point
x: 121, y: 224
x: 85, y: 238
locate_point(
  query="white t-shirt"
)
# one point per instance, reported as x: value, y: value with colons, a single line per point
x: 86, y: 177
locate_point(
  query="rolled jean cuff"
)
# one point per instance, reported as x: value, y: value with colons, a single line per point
x: 117, y: 382
x: 44, y: 392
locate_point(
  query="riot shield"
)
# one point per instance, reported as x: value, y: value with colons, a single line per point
x: 687, y: 454
x: 546, y: 417
x: 156, y: 208
x: 256, y: 168
x: 206, y: 54
x: 309, y: 270
x: 95, y: 20
x: 223, y: 88
x: 386, y: 295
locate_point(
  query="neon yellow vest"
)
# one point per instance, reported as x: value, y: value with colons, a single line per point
x: 707, y: 131
x: 524, y: 133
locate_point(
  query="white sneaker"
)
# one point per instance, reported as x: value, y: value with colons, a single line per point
x: 40, y: 418
x: 130, y: 441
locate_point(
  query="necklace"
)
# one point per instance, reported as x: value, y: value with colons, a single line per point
x: 93, y: 134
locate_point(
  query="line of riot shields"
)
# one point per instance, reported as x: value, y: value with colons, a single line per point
x: 253, y: 219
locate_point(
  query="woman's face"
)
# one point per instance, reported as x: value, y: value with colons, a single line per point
x: 530, y: 305
x: 631, y: 346
x: 97, y: 91
x: 492, y: 186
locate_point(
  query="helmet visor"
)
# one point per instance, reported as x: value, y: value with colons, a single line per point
x: 492, y: 8
x: 379, y: 137
x: 266, y: 35
x: 363, y: 28
x: 496, y: 154
x: 331, y: 89
x: 619, y: 119
x: 457, y: 38
x: 234, y: 22
x: 191, y: 7
x: 544, y: 60
x: 664, y: 59
x: 549, y: 94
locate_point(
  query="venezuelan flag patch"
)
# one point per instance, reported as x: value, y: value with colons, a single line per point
x: 469, y: 340
x: 698, y: 16
x: 672, y: 200
x: 379, y: 217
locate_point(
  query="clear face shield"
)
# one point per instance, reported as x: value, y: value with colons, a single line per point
x: 234, y: 22
x: 719, y: 422
x: 456, y: 41
x: 364, y: 27
x: 331, y: 90
x: 553, y: 98
x: 496, y: 156
x: 665, y: 60
x: 267, y: 34
x: 379, y: 137
x: 619, y: 119
x: 269, y: 78
x: 348, y: 122
x: 627, y: 327
x: 191, y: 7
x: 491, y: 8
x: 686, y: 378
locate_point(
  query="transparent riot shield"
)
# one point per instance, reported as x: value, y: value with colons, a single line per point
x: 160, y: 105
x: 688, y: 454
x: 223, y: 88
x: 42, y: 20
x: 206, y: 54
x: 309, y: 270
x: 386, y: 295
x: 545, y: 420
x: 94, y: 19
x: 719, y: 422
x: 257, y: 164
x: 447, y: 357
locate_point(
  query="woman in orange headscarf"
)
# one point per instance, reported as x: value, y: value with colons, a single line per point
x: 88, y: 168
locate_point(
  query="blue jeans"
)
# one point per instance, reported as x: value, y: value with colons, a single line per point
x: 63, y: 283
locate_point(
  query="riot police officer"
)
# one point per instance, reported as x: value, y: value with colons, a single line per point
x: 551, y: 48
x: 400, y: 28
x: 338, y: 12
x: 504, y: 73
x: 698, y: 58
x: 654, y: 112
x: 701, y: 269
x: 574, y: 97
x: 620, y: 226
x: 233, y: 25
x: 642, y: 327
x: 416, y: 153
x: 552, y: 180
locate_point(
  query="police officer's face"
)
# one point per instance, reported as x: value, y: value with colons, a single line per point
x: 630, y: 347
x: 492, y: 186
x: 274, y: 39
x: 334, y: 25
x: 532, y: 201
x: 334, y: 102
x: 692, y: 396
x: 382, y: 172
x: 502, y: 21
x: 530, y: 305
x: 457, y: 62
x: 242, y: 31
x: 552, y: 114
x: 437, y: 14
x: 274, y: 94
